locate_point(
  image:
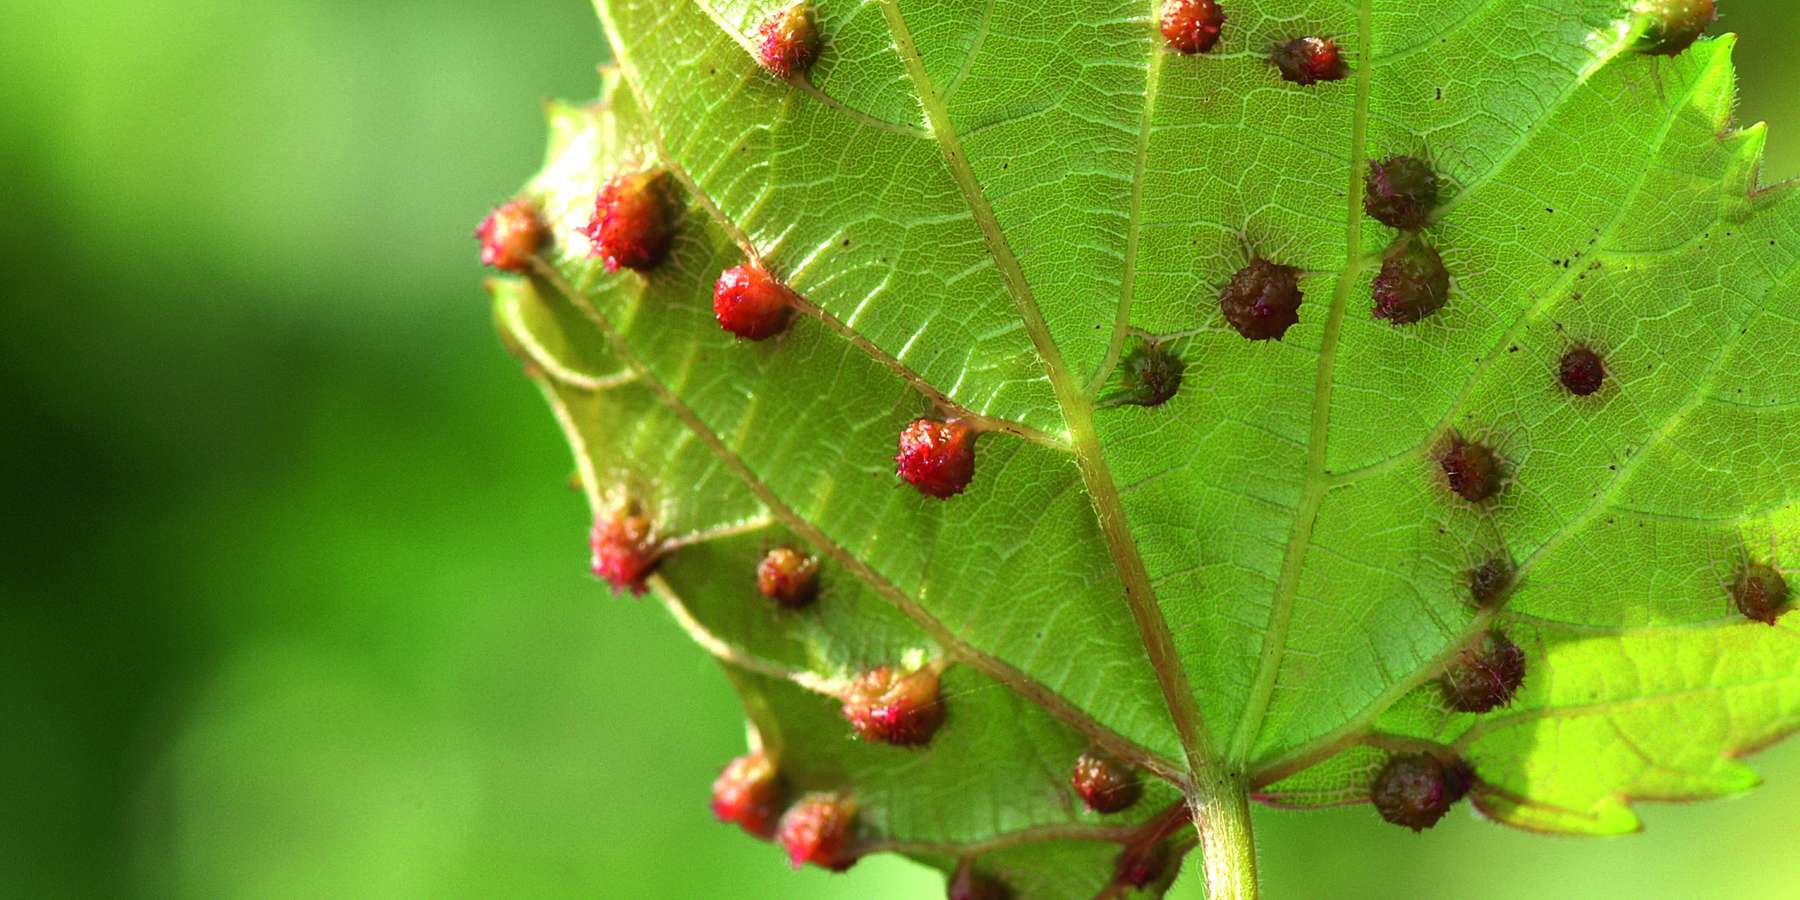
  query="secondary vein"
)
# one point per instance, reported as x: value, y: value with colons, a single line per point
x: 1134, y: 221
x: 1315, y: 484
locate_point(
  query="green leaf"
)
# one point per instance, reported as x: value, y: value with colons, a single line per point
x: 1255, y: 586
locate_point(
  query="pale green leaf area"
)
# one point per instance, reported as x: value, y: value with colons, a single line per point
x: 1254, y: 587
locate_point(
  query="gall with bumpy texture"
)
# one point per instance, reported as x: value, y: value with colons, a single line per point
x: 631, y: 225
x: 1310, y: 60
x: 750, y: 303
x: 1581, y: 371
x: 817, y: 831
x: 1104, y: 785
x: 1472, y: 470
x: 748, y: 792
x: 1150, y: 374
x: 968, y: 884
x: 1485, y: 676
x: 1490, y: 582
x: 510, y: 236
x: 937, y: 457
x: 1671, y: 26
x: 1192, y: 26
x: 1761, y: 593
x: 788, y: 577
x: 624, y: 550
x: 787, y: 43
x: 1412, y: 283
x: 892, y: 706
x: 1262, y: 301
x: 1416, y: 789
x: 1401, y: 192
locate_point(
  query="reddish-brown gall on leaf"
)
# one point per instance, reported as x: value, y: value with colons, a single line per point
x: 631, y: 226
x: 1150, y: 374
x: 968, y: 884
x: 1761, y: 593
x: 1192, y: 26
x: 1472, y: 470
x: 1669, y: 27
x: 510, y: 236
x: 624, y: 550
x: 1490, y: 582
x: 748, y: 792
x: 1262, y: 301
x: 1581, y: 371
x: 1401, y: 192
x: 788, y: 577
x: 893, y: 706
x: 787, y: 42
x: 750, y: 303
x: 1416, y: 789
x: 1106, y: 786
x: 1485, y: 676
x: 1412, y: 283
x: 1142, y: 866
x: 937, y: 457
x: 817, y: 831
x: 1310, y: 60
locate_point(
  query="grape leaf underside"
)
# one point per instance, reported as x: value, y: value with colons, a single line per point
x: 984, y: 203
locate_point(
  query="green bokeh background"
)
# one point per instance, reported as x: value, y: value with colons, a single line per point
x: 294, y: 590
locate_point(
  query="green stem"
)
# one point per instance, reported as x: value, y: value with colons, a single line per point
x: 1227, y: 847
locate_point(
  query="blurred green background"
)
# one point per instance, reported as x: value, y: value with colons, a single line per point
x: 295, y: 601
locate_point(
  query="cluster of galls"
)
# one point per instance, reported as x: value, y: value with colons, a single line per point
x: 886, y: 705
x: 1262, y: 300
x: 1401, y: 192
x: 1195, y: 26
x: 818, y: 829
x: 632, y: 228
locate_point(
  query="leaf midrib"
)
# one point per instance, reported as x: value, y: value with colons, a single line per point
x: 1077, y: 411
